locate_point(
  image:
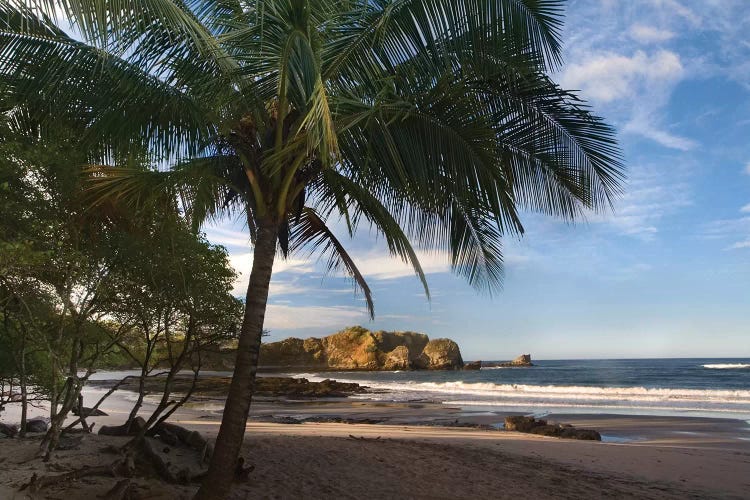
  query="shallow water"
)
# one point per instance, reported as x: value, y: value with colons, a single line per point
x: 672, y: 387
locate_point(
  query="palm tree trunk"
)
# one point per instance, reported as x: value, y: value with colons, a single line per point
x: 218, y: 481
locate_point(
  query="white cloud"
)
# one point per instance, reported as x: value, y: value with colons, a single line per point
x: 287, y: 317
x: 382, y: 266
x: 643, y: 125
x: 729, y: 229
x: 610, y: 76
x: 638, y: 85
x: 745, y: 209
x: 650, y: 196
x: 219, y: 235
x: 746, y: 170
x: 243, y: 262
x: 648, y: 34
x: 740, y: 244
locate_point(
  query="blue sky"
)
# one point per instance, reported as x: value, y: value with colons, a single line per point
x: 666, y: 275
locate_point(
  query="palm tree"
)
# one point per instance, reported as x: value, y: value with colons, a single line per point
x: 433, y: 122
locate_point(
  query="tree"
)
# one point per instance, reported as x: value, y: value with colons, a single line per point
x: 431, y: 121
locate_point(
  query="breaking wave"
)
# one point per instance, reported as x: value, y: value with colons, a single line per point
x: 727, y: 366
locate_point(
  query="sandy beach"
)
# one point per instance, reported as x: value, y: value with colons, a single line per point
x: 419, y: 450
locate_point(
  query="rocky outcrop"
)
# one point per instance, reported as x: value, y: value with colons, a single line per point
x: 357, y: 348
x: 521, y: 361
x: 473, y: 365
x: 442, y: 354
x: 398, y: 359
x: 7, y: 430
x: 301, y: 387
x: 532, y: 425
x: 37, y: 424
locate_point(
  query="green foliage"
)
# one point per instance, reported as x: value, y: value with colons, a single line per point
x: 75, y: 281
x: 433, y: 122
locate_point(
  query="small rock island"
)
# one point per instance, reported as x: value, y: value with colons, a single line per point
x: 357, y: 348
x: 521, y: 361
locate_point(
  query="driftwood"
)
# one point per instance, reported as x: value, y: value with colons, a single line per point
x: 362, y: 438
x: 36, y: 483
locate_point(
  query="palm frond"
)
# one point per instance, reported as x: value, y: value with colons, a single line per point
x: 311, y: 232
x: 338, y: 193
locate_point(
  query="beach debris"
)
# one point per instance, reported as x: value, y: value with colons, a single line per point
x: 363, y: 438
x: 540, y: 427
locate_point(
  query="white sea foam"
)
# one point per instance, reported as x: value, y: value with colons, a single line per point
x: 727, y: 366
x: 560, y: 397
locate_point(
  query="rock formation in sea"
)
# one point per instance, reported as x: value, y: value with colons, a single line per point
x: 521, y: 361
x: 357, y: 348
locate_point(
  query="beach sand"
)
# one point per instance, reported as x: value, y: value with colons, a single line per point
x: 324, y: 460
x: 417, y: 451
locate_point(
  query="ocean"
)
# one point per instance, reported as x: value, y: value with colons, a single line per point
x: 718, y: 388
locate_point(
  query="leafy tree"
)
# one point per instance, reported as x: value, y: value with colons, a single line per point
x: 431, y: 121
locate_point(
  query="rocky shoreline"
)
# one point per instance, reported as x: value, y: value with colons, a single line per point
x: 213, y: 386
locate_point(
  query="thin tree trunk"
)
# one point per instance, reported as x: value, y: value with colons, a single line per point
x: 218, y: 481
x: 24, y: 392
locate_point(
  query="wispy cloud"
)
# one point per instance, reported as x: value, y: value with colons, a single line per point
x: 649, y: 34
x: 608, y: 76
x: 221, y: 235
x: 651, y: 195
x: 740, y: 244
x: 736, y: 230
x: 639, y: 85
x: 644, y: 124
x: 288, y: 317
x: 746, y: 170
x: 745, y: 209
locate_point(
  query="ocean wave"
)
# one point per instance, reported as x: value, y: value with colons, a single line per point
x: 727, y: 366
x: 574, y: 391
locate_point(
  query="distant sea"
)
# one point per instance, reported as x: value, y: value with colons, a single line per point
x: 672, y: 387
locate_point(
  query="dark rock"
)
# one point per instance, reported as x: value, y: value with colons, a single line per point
x: 7, y: 430
x: 36, y: 425
x: 272, y: 419
x: 473, y: 365
x: 522, y: 424
x: 137, y: 426
x: 542, y: 428
x: 301, y: 387
x: 584, y: 434
x: 521, y: 361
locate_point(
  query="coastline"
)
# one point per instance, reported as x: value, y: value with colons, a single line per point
x: 426, y: 449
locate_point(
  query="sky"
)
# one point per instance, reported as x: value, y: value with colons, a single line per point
x: 666, y: 274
